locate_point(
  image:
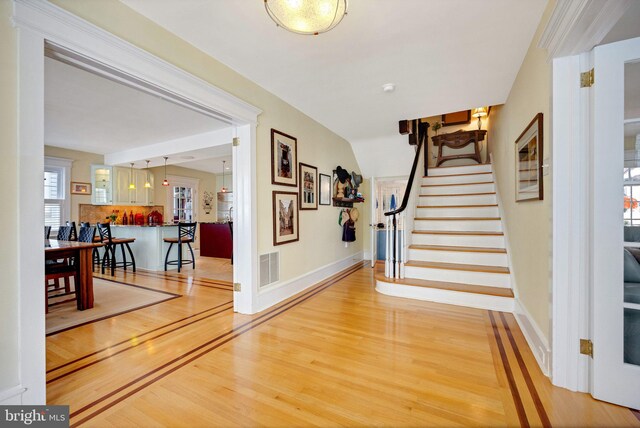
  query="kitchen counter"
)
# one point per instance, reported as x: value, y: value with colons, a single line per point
x: 144, y: 225
x: 149, y: 249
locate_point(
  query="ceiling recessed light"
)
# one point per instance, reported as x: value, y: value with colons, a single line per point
x: 389, y: 87
x: 187, y: 157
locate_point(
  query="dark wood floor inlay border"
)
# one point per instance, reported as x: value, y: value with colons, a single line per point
x: 517, y: 400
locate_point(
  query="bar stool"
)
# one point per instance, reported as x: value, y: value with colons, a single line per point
x: 186, y: 235
x: 110, y: 244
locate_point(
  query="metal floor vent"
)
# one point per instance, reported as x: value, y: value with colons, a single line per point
x: 269, y: 268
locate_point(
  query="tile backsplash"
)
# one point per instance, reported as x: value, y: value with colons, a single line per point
x: 99, y: 213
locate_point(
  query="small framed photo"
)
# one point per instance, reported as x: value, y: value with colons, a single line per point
x: 529, y: 162
x: 285, y: 217
x: 308, y: 187
x: 325, y: 189
x: 80, y: 188
x: 284, y: 159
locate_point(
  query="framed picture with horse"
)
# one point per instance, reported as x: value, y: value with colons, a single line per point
x: 284, y: 159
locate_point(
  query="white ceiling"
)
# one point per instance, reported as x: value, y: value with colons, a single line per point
x: 93, y: 114
x: 443, y: 55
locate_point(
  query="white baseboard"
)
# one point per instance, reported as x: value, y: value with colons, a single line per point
x: 471, y: 300
x: 535, y: 338
x: 278, y: 292
x: 367, y: 255
x: 12, y: 396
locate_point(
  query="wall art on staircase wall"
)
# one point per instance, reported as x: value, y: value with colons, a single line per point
x: 529, y: 162
x: 284, y: 159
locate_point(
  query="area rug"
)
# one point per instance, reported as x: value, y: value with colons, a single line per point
x: 111, y: 298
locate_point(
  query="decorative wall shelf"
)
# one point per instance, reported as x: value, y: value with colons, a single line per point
x: 344, y: 202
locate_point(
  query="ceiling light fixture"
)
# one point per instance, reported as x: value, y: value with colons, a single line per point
x: 223, y: 189
x: 147, y: 183
x: 165, y: 182
x: 132, y: 185
x: 308, y: 17
x: 479, y: 112
x: 388, y: 87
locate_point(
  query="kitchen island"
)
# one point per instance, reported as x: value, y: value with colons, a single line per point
x: 149, y: 248
x: 216, y: 239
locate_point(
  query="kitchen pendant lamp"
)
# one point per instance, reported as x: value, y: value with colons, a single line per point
x: 308, y: 17
x: 165, y: 182
x: 132, y: 185
x: 147, y: 183
x: 223, y: 189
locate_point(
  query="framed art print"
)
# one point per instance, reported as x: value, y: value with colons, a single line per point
x: 308, y: 187
x: 284, y: 159
x: 80, y: 188
x: 285, y: 217
x: 325, y: 189
x: 529, y: 162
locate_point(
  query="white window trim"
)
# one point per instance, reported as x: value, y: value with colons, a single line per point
x: 65, y: 164
x: 194, y: 183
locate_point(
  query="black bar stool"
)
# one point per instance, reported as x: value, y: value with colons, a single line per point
x: 110, y: 244
x: 186, y: 235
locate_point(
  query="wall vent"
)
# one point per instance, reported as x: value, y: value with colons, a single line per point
x: 269, y: 268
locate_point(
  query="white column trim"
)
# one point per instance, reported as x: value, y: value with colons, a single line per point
x: 570, y: 229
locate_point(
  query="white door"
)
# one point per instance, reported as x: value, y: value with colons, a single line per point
x: 374, y: 223
x: 616, y: 272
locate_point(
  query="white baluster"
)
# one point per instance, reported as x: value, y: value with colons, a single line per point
x: 404, y: 245
x: 387, y: 253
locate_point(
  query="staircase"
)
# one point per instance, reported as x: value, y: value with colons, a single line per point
x: 457, y: 251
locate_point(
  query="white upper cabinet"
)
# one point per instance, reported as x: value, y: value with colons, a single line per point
x: 102, y: 183
x: 112, y: 186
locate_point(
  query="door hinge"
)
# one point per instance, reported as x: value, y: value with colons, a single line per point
x: 237, y: 286
x: 236, y: 141
x: 586, y: 347
x: 586, y: 79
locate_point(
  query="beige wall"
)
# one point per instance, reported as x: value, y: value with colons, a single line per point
x: 80, y: 171
x: 320, y: 237
x: 528, y: 224
x: 9, y: 292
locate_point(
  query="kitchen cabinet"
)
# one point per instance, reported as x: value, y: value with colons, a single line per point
x: 216, y: 240
x: 102, y: 183
x: 112, y: 186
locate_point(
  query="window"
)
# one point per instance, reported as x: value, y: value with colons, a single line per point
x: 631, y: 196
x: 56, y: 181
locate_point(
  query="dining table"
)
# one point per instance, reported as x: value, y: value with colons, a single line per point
x: 81, y: 254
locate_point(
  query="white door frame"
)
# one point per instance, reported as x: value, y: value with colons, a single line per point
x: 39, y: 21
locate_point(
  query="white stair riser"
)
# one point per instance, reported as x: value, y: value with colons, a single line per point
x: 463, y: 257
x: 459, y: 276
x: 459, y: 225
x: 464, y: 169
x: 458, y: 212
x: 458, y: 179
x: 458, y: 189
x: 458, y: 240
x: 472, y: 300
x: 457, y: 200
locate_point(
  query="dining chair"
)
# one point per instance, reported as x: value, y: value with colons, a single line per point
x: 186, y: 235
x: 74, y: 232
x: 47, y: 232
x: 95, y: 254
x: 64, y: 233
x: 110, y: 245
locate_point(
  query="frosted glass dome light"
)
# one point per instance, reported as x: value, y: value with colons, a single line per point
x: 309, y: 17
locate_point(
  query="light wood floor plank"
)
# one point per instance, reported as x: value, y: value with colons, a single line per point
x: 337, y: 354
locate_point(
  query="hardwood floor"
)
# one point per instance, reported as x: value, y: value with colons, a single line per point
x: 337, y: 354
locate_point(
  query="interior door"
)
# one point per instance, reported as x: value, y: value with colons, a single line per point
x: 616, y: 231
x: 374, y: 223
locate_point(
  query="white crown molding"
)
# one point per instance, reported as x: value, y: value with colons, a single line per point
x: 577, y: 26
x: 103, y: 48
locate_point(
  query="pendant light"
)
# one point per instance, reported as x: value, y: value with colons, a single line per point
x: 224, y: 189
x: 165, y: 182
x: 132, y: 185
x: 147, y: 183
